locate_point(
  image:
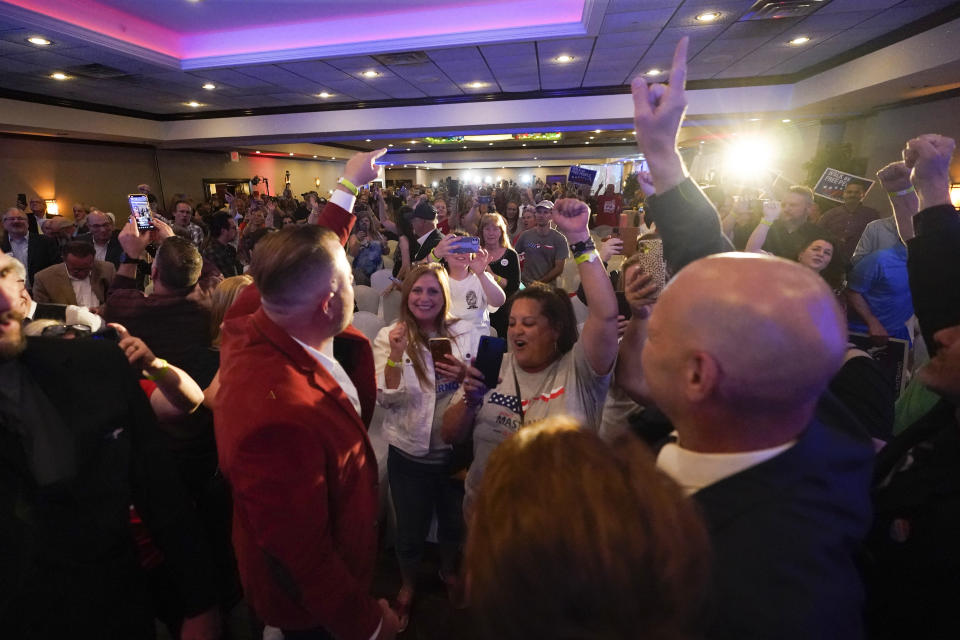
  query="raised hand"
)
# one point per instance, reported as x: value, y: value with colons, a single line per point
x: 361, y: 167
x: 657, y: 113
x: 479, y: 261
x: 928, y: 156
x: 450, y: 368
x: 771, y: 210
x: 641, y: 293
x: 645, y: 180
x: 612, y: 246
x: 571, y: 217
x: 133, y: 242
x: 398, y: 341
x: 894, y: 177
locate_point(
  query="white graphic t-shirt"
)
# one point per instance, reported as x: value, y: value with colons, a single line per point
x: 568, y: 386
x: 469, y: 302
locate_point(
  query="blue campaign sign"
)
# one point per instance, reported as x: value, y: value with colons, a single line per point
x: 580, y: 175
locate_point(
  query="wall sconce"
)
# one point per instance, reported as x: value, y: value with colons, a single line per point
x: 52, y: 208
x: 955, y: 194
x: 317, y: 181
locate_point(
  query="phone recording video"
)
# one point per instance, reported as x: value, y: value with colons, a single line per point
x: 468, y: 244
x: 140, y: 208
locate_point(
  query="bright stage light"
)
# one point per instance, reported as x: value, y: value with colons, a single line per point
x: 525, y: 179
x: 749, y: 157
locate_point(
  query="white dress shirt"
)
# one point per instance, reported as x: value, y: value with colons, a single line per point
x: 100, y: 251
x: 693, y: 470
x: 326, y: 359
x: 19, y: 248
x: 83, y: 291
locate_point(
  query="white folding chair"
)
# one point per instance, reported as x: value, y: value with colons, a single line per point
x: 390, y: 307
x: 380, y: 280
x: 368, y: 298
x: 388, y: 263
x: 368, y: 323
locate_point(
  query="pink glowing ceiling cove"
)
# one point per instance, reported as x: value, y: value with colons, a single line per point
x: 206, y: 33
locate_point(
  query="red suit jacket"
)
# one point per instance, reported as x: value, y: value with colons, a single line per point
x: 303, y: 473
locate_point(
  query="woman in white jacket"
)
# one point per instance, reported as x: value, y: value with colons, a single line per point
x: 415, y: 391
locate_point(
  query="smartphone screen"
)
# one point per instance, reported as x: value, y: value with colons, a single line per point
x: 468, y: 244
x: 440, y: 347
x: 140, y: 208
x: 489, y: 358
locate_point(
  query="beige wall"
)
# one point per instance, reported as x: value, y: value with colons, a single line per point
x: 103, y: 175
x: 880, y: 137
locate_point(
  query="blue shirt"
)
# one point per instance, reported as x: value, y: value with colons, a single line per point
x: 881, y: 278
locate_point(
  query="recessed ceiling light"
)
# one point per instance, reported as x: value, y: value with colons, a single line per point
x: 654, y: 72
x: 430, y: 146
x: 524, y: 144
x: 314, y: 156
x: 258, y: 152
x: 564, y: 59
x: 413, y: 142
x: 754, y: 119
x: 291, y: 154
x: 785, y: 120
x: 39, y: 41
x: 209, y: 86
x: 389, y: 145
x: 534, y: 157
x: 477, y: 85
x: 59, y: 75
x: 368, y: 140
x: 331, y: 157
x: 370, y: 74
x: 633, y: 132
x: 193, y: 103
x: 597, y: 130
x: 624, y: 139
x: 491, y: 144
x: 324, y: 94
x: 799, y: 40
x: 709, y: 16
x: 554, y: 142
x: 408, y: 148
x: 587, y: 142
x: 592, y: 137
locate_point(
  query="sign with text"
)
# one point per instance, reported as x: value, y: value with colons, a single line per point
x: 832, y: 183
x: 580, y: 175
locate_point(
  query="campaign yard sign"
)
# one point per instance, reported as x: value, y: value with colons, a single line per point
x: 580, y: 175
x: 892, y: 357
x: 833, y: 181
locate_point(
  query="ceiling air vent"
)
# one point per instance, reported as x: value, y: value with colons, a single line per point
x: 407, y: 57
x: 96, y: 71
x: 775, y: 9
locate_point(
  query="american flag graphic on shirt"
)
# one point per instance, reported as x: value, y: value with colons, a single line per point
x: 513, y: 402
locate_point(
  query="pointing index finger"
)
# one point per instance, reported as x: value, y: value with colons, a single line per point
x: 678, y: 72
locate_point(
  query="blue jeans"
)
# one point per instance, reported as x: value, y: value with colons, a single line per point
x: 418, y: 490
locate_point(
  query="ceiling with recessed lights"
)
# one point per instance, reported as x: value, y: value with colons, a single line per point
x: 162, y: 59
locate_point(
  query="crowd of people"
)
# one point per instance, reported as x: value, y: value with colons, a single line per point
x: 690, y: 442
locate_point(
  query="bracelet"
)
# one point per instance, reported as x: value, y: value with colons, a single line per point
x: 588, y: 256
x: 894, y: 194
x: 582, y: 246
x: 434, y: 256
x: 125, y: 259
x: 352, y: 188
x: 766, y: 222
x: 391, y: 363
x: 162, y: 365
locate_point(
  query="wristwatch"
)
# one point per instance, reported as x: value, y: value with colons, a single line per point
x: 125, y: 259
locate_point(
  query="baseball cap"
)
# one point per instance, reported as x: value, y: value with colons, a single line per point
x: 546, y: 204
x: 426, y: 211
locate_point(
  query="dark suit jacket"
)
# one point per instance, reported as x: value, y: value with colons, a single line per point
x: 303, y: 472
x: 934, y: 270
x: 785, y: 534
x: 41, y: 253
x: 67, y: 557
x: 423, y: 250
x: 114, y: 250
x: 53, y: 283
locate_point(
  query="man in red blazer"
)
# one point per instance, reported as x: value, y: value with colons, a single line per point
x: 291, y: 432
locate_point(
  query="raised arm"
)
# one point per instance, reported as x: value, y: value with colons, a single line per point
x: 640, y: 294
x: 599, y: 336
x: 360, y: 169
x: 932, y: 253
x: 771, y: 211
x: 685, y: 218
x: 494, y: 294
x: 895, y: 180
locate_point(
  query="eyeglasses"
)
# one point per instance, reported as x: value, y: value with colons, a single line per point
x: 65, y: 331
